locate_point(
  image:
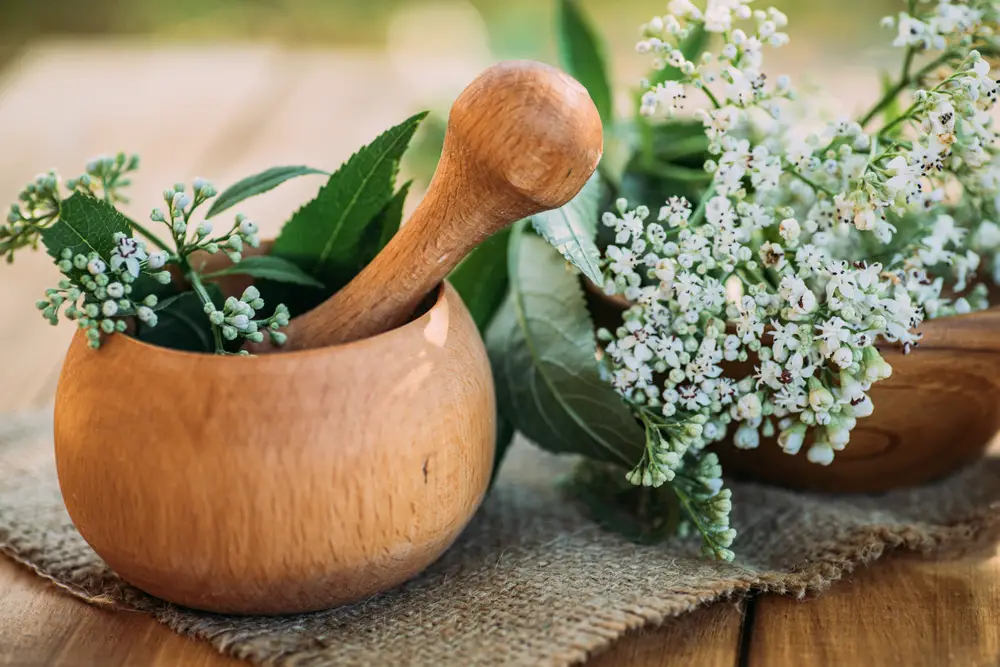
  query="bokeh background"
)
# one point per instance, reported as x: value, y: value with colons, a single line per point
x: 509, y: 28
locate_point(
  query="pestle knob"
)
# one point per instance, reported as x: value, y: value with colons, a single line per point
x: 522, y: 138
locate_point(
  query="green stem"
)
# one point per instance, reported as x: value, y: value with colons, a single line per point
x: 699, y: 212
x: 149, y: 235
x: 711, y: 96
x: 815, y: 186
x: 905, y: 81
x: 892, y: 93
x: 206, y: 299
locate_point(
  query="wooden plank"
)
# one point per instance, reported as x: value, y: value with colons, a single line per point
x: 39, y: 626
x: 903, y: 611
x: 708, y: 637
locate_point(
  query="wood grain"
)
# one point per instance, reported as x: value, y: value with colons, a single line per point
x: 358, y: 468
x: 708, y: 637
x: 902, y: 611
x: 938, y: 412
x: 523, y: 138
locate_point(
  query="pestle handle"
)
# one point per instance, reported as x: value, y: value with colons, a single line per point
x: 523, y: 138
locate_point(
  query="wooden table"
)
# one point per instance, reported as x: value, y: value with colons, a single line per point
x: 229, y: 111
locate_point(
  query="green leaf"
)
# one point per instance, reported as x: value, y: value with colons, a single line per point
x: 271, y: 268
x: 481, y: 279
x: 183, y: 324
x: 85, y: 225
x: 582, y: 54
x: 257, y: 184
x: 692, y: 47
x: 544, y: 356
x: 505, y: 438
x: 384, y: 226
x: 324, y: 237
x: 573, y: 228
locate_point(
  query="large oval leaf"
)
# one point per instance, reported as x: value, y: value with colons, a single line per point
x: 543, y: 352
x: 573, y: 228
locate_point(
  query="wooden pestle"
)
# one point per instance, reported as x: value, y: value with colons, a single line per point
x: 522, y: 138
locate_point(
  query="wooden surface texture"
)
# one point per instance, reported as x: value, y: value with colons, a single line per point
x: 245, y: 109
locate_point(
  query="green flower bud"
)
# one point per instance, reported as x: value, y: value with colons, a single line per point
x: 150, y: 301
x: 108, y: 326
x: 120, y: 326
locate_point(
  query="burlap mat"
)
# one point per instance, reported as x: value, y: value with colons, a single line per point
x: 531, y: 582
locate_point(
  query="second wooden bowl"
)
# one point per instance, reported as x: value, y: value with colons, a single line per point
x: 283, y: 483
x: 938, y: 412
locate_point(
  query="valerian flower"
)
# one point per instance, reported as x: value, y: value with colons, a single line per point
x: 828, y: 245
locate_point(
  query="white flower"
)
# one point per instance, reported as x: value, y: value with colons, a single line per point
x: 832, y: 334
x: 791, y: 440
x: 821, y: 453
x: 109, y: 308
x: 790, y: 230
x: 248, y: 228
x: 96, y: 267
x: 843, y: 357
x: 156, y: 261
x: 128, y: 252
x: 748, y: 407
x: 747, y: 437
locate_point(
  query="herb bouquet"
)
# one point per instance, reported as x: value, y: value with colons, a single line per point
x: 758, y: 251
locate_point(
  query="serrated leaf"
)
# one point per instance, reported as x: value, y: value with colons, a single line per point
x: 270, y: 268
x: 692, y: 47
x: 324, y: 236
x: 252, y: 186
x: 384, y: 226
x: 183, y: 324
x: 573, y: 228
x: 378, y: 232
x: 85, y: 225
x: 582, y: 55
x: 481, y: 279
x: 543, y: 352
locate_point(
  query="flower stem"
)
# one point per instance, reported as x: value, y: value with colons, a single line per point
x: 905, y: 81
x: 699, y: 212
x: 149, y: 235
x: 205, y: 297
x: 808, y: 181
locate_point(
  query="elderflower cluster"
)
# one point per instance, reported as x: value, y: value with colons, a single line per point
x: 759, y: 311
x: 236, y: 319
x: 99, y: 297
x: 189, y: 237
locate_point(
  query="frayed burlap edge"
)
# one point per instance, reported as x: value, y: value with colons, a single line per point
x: 825, y: 562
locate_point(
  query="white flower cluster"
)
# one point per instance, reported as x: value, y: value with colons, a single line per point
x: 98, y: 297
x: 759, y: 311
x: 181, y: 208
x: 236, y: 319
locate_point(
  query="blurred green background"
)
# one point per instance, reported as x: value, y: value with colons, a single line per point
x: 514, y: 28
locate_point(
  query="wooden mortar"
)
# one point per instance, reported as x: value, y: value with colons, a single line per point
x: 282, y: 483
x: 348, y: 463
